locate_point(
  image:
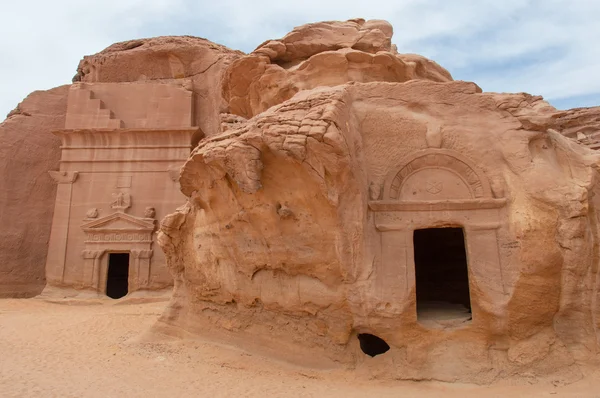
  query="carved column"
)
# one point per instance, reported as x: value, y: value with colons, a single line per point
x: 57, y: 250
x: 141, y: 267
x: 394, y: 279
x: 486, y: 280
x: 91, y: 270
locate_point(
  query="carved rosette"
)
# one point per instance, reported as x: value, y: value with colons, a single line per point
x: 150, y: 212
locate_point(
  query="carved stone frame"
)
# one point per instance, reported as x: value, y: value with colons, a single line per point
x: 479, y: 216
x: 133, y: 235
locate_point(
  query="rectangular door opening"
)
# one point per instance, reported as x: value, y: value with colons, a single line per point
x: 117, y: 280
x: 442, y: 277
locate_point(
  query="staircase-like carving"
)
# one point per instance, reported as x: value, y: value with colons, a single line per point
x: 86, y: 112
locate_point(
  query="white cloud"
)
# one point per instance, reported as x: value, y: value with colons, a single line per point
x: 43, y: 41
x: 544, y: 47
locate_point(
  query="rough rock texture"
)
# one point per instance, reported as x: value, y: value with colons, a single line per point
x: 27, y: 152
x: 321, y: 54
x: 580, y: 124
x: 197, y: 60
x: 292, y: 241
x: 323, y: 153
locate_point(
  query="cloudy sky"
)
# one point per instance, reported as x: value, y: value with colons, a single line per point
x: 546, y: 47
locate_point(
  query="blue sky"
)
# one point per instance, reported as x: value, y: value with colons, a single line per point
x: 543, y: 47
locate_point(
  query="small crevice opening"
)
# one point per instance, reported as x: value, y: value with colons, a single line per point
x: 372, y: 345
x: 442, y: 277
x: 117, y: 279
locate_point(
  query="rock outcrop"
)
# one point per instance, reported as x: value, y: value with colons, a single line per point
x: 281, y: 242
x: 298, y: 238
x: 580, y: 124
x: 27, y: 151
x: 321, y: 54
x: 328, y: 171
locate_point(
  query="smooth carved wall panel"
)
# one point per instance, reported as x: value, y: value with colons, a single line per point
x: 128, y: 105
x: 113, y: 185
x: 433, y: 184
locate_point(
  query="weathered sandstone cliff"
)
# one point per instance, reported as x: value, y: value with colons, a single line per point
x: 298, y: 234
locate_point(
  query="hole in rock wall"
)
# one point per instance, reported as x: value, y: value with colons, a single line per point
x: 442, y: 277
x: 372, y: 345
x: 117, y: 280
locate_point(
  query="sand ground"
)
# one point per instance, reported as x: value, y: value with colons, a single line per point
x: 95, y: 349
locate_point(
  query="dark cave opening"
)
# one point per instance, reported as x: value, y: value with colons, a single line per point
x: 117, y: 280
x: 372, y: 345
x: 441, y: 273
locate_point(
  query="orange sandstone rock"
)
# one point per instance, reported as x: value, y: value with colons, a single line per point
x: 333, y: 223
x: 321, y: 54
x: 343, y: 201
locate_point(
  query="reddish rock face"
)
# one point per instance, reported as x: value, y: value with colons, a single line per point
x: 301, y: 233
x: 342, y: 199
x: 121, y: 149
x: 27, y: 151
x: 402, y: 214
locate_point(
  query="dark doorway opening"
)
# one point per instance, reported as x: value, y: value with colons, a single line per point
x: 117, y: 284
x: 372, y: 345
x: 442, y: 276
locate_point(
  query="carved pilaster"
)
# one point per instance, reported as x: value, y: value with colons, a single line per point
x: 57, y: 250
x: 91, y: 271
x: 91, y: 254
x: 142, y: 253
x: 141, y: 260
x: 64, y: 177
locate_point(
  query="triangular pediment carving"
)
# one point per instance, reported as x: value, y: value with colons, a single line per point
x: 119, y: 222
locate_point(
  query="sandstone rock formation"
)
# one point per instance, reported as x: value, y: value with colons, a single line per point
x: 301, y: 229
x: 121, y: 149
x: 321, y: 54
x: 580, y: 124
x: 27, y: 152
x: 343, y: 199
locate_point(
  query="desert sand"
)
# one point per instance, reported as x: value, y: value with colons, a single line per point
x: 101, y: 348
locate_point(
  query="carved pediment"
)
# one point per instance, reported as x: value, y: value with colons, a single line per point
x: 119, y: 222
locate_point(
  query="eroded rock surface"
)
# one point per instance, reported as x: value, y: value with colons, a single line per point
x: 321, y: 54
x: 337, y: 261
x: 320, y: 154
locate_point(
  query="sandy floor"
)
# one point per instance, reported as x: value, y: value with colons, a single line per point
x: 95, y: 350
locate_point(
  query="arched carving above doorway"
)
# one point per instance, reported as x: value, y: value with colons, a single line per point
x: 436, y: 174
x: 439, y: 188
